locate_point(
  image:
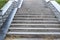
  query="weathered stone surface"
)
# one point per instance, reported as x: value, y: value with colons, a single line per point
x: 56, y: 12
x: 32, y: 7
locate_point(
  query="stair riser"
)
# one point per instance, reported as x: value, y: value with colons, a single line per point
x: 33, y: 30
x: 33, y: 13
x: 36, y: 26
x: 35, y: 22
x: 34, y: 19
x: 35, y: 16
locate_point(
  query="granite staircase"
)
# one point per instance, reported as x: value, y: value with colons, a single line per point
x: 34, y: 24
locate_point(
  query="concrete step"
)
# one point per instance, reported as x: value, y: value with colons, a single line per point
x: 36, y: 25
x: 35, y: 39
x: 34, y: 33
x: 18, y: 29
x: 35, y: 22
x: 36, y: 19
x: 51, y: 16
x: 35, y: 28
x: 33, y: 14
x: 18, y: 18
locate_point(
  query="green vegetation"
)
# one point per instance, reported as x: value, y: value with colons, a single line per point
x: 2, y: 3
x: 58, y: 1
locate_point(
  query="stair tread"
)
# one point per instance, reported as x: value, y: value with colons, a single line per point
x: 32, y: 18
x: 34, y: 39
x: 34, y: 24
x: 35, y: 19
x: 46, y: 33
x: 32, y: 21
x: 34, y: 28
x: 34, y: 15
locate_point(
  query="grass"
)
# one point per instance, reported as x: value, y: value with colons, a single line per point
x: 2, y: 3
x: 58, y: 1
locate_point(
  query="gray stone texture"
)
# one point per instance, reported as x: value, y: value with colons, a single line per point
x: 56, y: 12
